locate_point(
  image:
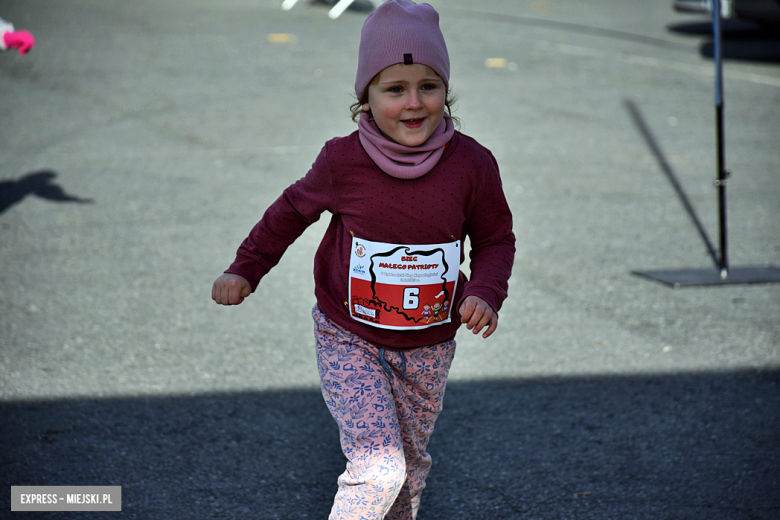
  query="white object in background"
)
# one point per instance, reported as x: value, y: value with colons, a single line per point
x: 704, y: 6
x: 335, y: 11
x: 339, y: 8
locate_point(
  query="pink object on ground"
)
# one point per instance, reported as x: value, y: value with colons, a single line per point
x: 21, y: 40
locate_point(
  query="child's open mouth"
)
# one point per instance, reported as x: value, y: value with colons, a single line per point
x: 413, y: 123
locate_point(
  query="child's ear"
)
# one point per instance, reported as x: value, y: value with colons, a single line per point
x: 366, y: 108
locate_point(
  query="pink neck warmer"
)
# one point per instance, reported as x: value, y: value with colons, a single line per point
x: 400, y: 161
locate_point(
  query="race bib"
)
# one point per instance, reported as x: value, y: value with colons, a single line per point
x: 403, y: 287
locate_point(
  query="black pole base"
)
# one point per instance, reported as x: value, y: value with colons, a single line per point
x: 698, y: 277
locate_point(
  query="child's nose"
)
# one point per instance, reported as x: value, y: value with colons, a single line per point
x: 414, y: 101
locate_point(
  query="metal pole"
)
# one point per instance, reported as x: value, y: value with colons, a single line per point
x: 722, y: 173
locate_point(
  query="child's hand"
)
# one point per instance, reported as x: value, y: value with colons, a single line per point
x: 21, y: 40
x: 476, y: 313
x: 230, y: 289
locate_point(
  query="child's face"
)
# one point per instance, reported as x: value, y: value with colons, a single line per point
x: 407, y: 102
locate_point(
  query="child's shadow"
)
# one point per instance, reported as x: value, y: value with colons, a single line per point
x: 36, y: 183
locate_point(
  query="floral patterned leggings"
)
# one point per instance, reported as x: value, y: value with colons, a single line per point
x: 385, y: 404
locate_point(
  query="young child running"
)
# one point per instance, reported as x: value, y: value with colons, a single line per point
x: 404, y: 191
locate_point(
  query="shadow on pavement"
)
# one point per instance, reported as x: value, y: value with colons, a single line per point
x: 694, y: 446
x: 660, y: 157
x: 35, y: 183
x: 741, y: 40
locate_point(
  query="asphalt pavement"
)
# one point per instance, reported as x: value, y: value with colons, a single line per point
x: 141, y: 141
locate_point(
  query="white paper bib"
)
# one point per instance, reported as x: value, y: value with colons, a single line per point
x: 402, y: 287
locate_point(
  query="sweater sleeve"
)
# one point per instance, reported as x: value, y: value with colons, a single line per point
x: 299, y: 206
x: 492, y: 242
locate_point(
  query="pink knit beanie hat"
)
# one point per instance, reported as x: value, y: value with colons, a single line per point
x: 400, y: 31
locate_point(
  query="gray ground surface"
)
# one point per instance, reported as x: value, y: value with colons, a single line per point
x: 140, y: 141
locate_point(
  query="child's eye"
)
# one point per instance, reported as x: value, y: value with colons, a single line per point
x: 395, y: 89
x: 429, y: 86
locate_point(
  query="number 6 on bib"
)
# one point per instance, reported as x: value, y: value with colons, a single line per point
x: 401, y: 286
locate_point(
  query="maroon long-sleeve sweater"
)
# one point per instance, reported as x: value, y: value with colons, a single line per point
x: 462, y: 195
